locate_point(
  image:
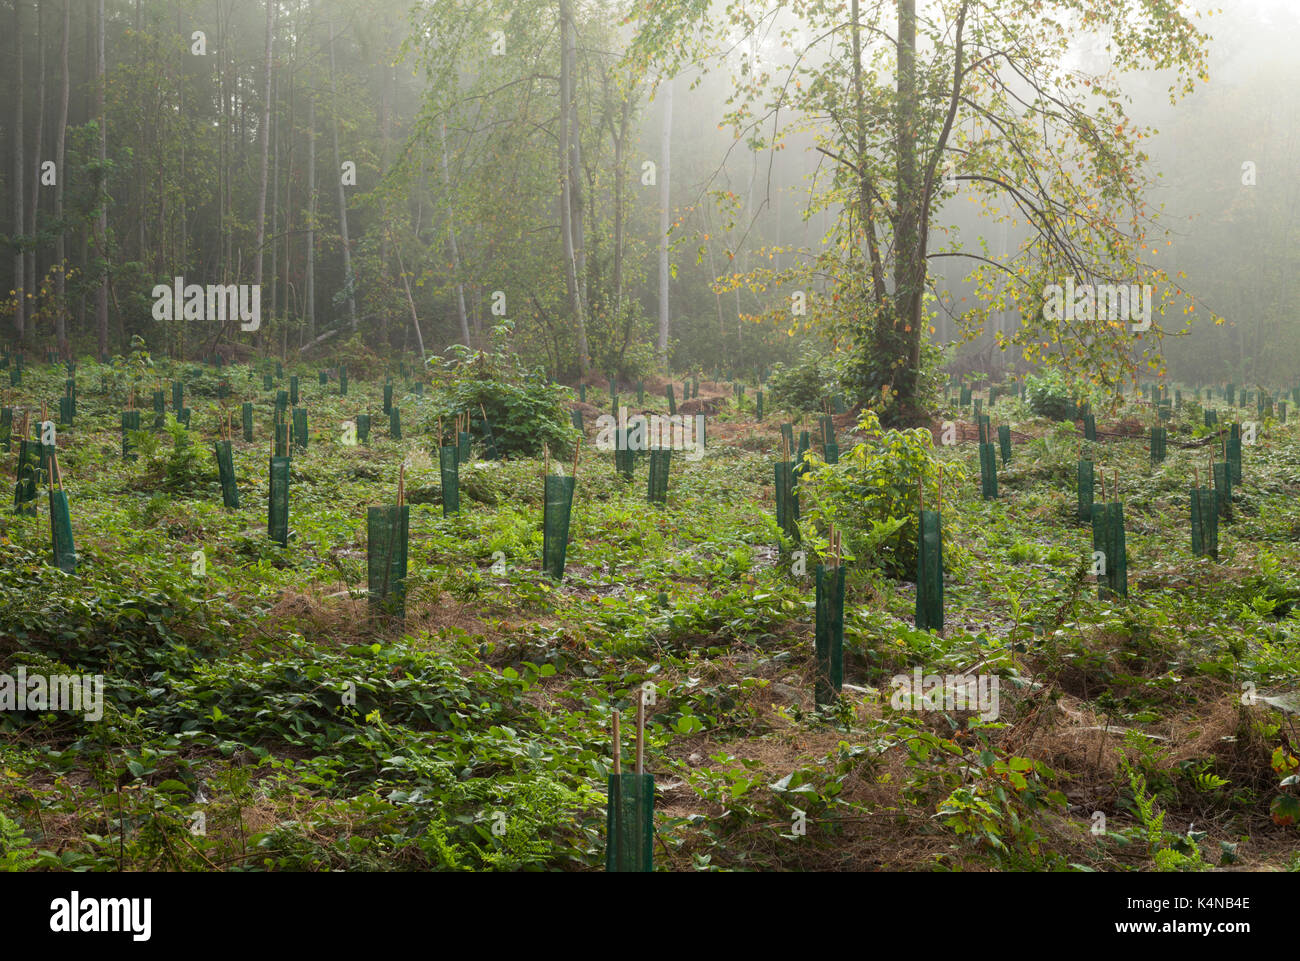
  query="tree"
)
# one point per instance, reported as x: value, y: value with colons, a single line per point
x: 997, y: 113
x: 19, y: 162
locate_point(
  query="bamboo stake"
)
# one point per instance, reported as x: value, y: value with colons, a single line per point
x: 640, y: 731
x: 618, y: 748
x: 577, y: 451
x: 401, y: 484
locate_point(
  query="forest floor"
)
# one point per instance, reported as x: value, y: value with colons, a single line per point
x: 257, y: 717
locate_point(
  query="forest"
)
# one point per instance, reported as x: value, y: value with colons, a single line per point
x: 649, y: 435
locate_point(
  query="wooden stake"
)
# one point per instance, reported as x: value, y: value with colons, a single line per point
x: 576, y: 452
x: 618, y: 747
x: 401, y: 483
x: 640, y: 731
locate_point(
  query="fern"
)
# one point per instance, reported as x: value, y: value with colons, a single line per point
x: 16, y: 852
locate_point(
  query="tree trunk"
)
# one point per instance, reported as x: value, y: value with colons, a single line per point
x: 566, y: 195
x: 60, y: 243
x: 32, y: 271
x: 343, y: 200
x: 309, y: 278
x: 101, y: 231
x: 665, y: 181
x: 266, y: 152
x: 903, y: 336
x: 455, y: 251
x: 20, y: 287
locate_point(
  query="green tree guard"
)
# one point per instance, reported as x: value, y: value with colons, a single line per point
x: 832, y: 453
x: 279, y: 370
x: 325, y: 379
x: 70, y: 391
x: 449, y: 467
x: 829, y: 634
x: 1089, y: 427
x: 787, y: 501
x: 130, y: 422
x: 1211, y: 418
x: 28, y: 476
x: 613, y: 388
x: 281, y: 438
x: 246, y: 414
x: 805, y: 443
x: 1223, y: 488
x: 758, y: 407
x: 281, y: 402
x: 657, y: 485
x: 555, y: 523
x: 1230, y: 394
x: 965, y: 397
x: 613, y: 405
x: 159, y: 405
x: 1178, y: 400
x: 343, y: 381
x: 787, y: 435
x: 6, y: 428
x: 979, y: 405
x: 387, y: 540
x: 463, y: 447
x: 984, y: 427
x: 388, y: 398
x: 65, y: 411
x: 582, y: 393
x: 15, y: 377
x: 624, y: 456
x: 1108, y: 538
x: 629, y: 823
x: 1205, y: 522
x: 988, y: 472
x: 929, y: 572
x: 226, y: 473
x: 178, y: 395
x: 293, y: 390
x: 363, y: 428
x: 1234, y: 456
x: 183, y: 417
x: 300, y: 427
x: 268, y: 382
x: 64, y: 552
x: 837, y: 404
x: 828, y: 429
x: 1281, y: 411
x: 575, y: 418
x: 1159, y: 437
x: 395, y: 423
x: 672, y: 400
x: 1004, y: 443
x: 277, y: 524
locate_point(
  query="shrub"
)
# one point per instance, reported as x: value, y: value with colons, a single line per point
x: 802, y: 386
x: 871, y: 494
x: 1051, y: 394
